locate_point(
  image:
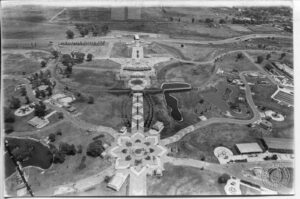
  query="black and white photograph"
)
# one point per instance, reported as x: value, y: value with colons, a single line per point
x: 129, y: 98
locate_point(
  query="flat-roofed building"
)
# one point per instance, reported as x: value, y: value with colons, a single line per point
x: 252, y: 147
x: 117, y: 181
x: 279, y: 145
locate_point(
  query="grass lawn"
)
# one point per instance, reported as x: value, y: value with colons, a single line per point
x: 106, y: 111
x: 101, y: 64
x: 18, y: 61
x: 179, y: 180
x: 189, y: 73
x: 201, y: 143
x: 120, y: 50
x: 230, y: 62
x: 283, y: 129
x: 87, y: 78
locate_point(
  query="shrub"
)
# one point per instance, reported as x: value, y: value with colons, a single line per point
x: 223, y: 178
x: 51, y: 137
x: 95, y: 148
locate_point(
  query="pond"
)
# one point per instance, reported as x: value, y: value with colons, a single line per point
x: 173, y: 104
x: 32, y: 152
x: 171, y: 100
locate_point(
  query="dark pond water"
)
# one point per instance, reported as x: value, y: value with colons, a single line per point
x: 173, y: 104
x: 30, y: 151
x: 175, y: 86
x: 172, y: 101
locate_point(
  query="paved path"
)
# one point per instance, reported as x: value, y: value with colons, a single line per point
x: 235, y: 169
x: 256, y: 116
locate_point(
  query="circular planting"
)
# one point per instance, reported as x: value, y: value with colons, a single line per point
x: 275, y: 177
x: 136, y: 82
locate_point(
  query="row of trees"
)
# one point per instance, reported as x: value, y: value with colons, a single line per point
x: 85, y: 29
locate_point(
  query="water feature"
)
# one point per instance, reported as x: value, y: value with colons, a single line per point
x: 171, y: 101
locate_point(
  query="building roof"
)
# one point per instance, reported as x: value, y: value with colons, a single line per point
x: 117, y: 181
x: 252, y: 147
x: 279, y: 143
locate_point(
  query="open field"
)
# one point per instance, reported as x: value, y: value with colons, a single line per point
x: 201, y: 143
x: 86, y: 78
x: 230, y: 62
x: 99, y: 64
x: 18, y: 61
x: 120, y: 50
x: 190, y: 73
x: 105, y: 106
x: 178, y: 180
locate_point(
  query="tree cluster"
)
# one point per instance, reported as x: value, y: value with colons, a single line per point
x: 95, y: 148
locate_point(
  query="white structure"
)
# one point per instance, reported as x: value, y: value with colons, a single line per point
x: 285, y: 96
x: 202, y: 118
x: 24, y: 110
x: 117, y: 181
x: 223, y: 154
x: 274, y: 116
x: 252, y: 147
x: 232, y: 187
x: 158, y: 126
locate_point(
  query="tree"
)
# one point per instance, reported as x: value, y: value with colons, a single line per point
x: 89, y: 57
x: 84, y: 31
x: 15, y: 103
x: 40, y: 109
x: 223, y: 178
x: 60, y: 115
x: 67, y: 60
x: 222, y: 21
x: 58, y: 158
x: 51, y: 137
x: 268, y: 56
x: 9, y: 117
x: 193, y: 20
x: 90, y: 100
x: 105, y: 29
x: 260, y: 59
x: 107, y: 179
x: 282, y: 55
x: 23, y: 91
x: 43, y: 64
x: 67, y: 149
x: 54, y: 53
x: 79, y: 57
x: 239, y: 56
x: 95, y: 148
x: 70, y: 34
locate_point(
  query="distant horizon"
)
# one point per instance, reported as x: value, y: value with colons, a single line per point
x: 151, y: 3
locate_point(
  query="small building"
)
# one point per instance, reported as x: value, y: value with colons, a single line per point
x: 202, y: 118
x: 279, y: 145
x: 71, y: 109
x: 265, y: 124
x: 158, y: 126
x: 38, y: 122
x: 245, y: 148
x: 117, y: 181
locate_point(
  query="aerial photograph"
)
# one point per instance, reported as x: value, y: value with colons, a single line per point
x: 146, y: 100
